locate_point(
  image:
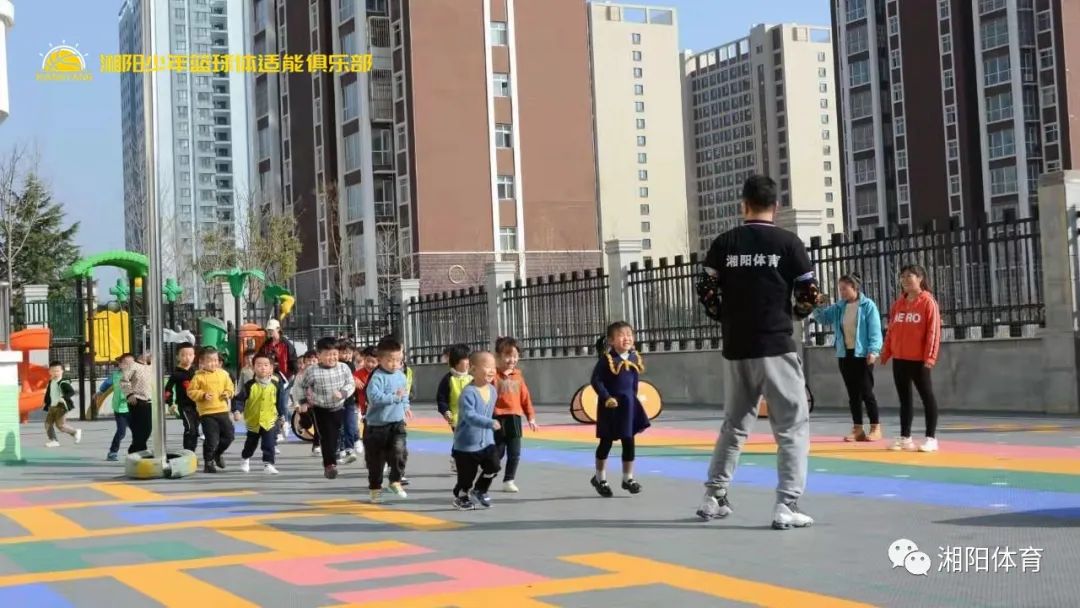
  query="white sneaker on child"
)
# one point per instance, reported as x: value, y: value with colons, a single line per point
x: 78, y: 435
x: 510, y: 486
x: 358, y: 447
x: 270, y: 469
x: 902, y: 444
x: 930, y: 445
x: 52, y: 443
x: 245, y: 465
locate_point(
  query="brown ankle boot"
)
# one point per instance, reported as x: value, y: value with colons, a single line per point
x: 857, y: 434
x: 875, y: 433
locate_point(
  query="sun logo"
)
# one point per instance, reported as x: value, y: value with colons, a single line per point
x: 63, y: 62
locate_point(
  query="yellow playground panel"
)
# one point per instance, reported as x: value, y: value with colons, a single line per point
x: 112, y: 335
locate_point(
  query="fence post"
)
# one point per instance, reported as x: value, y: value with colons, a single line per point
x: 496, y: 275
x: 620, y: 252
x: 1059, y: 198
x: 35, y: 309
x: 408, y: 289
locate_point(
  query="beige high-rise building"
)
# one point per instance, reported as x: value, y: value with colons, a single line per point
x: 764, y: 104
x: 640, y: 153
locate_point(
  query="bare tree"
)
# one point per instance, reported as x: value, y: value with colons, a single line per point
x: 17, y: 219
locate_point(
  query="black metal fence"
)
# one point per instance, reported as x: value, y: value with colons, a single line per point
x: 664, y: 308
x: 983, y: 277
x: 561, y: 315
x: 437, y: 321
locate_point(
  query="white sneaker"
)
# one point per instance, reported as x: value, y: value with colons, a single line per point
x: 902, y: 444
x: 78, y: 435
x: 358, y: 447
x: 714, y: 507
x: 270, y: 469
x: 347, y: 457
x: 395, y: 488
x: 245, y: 465
x: 317, y: 451
x: 281, y: 437
x: 277, y: 450
x: 789, y: 516
x: 52, y: 443
x: 510, y: 486
x: 930, y: 445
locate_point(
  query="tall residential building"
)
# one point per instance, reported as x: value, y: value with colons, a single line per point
x: 199, y: 129
x: 988, y: 99
x: 7, y: 21
x: 764, y: 104
x: 494, y: 138
x: 640, y: 154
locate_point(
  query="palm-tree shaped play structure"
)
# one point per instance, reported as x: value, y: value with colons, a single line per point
x: 238, y: 280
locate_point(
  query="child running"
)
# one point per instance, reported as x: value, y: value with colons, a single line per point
x: 514, y: 402
x: 448, y: 394
x: 621, y: 417
x: 474, y: 439
x: 135, y: 381
x: 387, y: 411
x: 119, y: 410
x: 350, y: 422
x: 210, y: 389
x: 176, y: 388
x: 327, y: 386
x: 265, y: 402
x: 300, y: 402
x: 57, y: 405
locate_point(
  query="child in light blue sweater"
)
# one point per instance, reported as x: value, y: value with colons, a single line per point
x: 384, y: 426
x: 474, y: 436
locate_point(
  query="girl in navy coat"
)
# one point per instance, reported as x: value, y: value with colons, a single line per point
x: 619, y: 413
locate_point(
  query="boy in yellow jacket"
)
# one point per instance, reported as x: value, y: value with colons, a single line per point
x: 211, y: 389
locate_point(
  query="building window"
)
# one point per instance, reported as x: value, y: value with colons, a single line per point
x: 642, y: 158
x: 954, y: 184
x: 943, y: 9
x: 646, y: 227
x: 823, y: 87
x: 999, y: 107
x: 828, y: 182
x: 639, y: 106
x: 823, y: 103
x: 857, y: 40
x: 825, y: 134
x: 826, y: 150
x: 643, y: 192
x: 953, y: 149
x: 1046, y: 59
x: 639, y: 89
x: 640, y: 140
x: 894, y: 59
x: 502, y: 84
x: 638, y: 72
x: 898, y: 92
x: 506, y: 186
x: 866, y: 202
x: 644, y: 209
x: 646, y: 244
x: 832, y: 228
x: 856, y: 9
x: 643, y: 174
x: 498, y: 33
x: 950, y: 114
x: 829, y: 199
x: 1043, y: 21
x: 860, y: 73
x: 508, y: 238
x: 824, y: 119
x: 1003, y: 180
x: 641, y: 123
x: 636, y: 55
x: 504, y: 136
x: 899, y: 123
x: 865, y: 170
x: 821, y: 57
x: 894, y: 25
x: 1049, y: 95
x: 947, y: 77
x: 827, y: 165
x: 862, y: 104
x: 350, y: 101
x: 1050, y: 133
x: 635, y: 38
x: 996, y: 70
x: 994, y: 32
x: 1002, y: 143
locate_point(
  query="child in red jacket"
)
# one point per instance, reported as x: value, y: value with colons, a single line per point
x: 913, y: 340
x: 513, y: 403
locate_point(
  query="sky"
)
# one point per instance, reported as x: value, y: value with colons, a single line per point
x: 75, y: 126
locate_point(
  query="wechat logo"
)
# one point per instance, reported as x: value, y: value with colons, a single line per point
x: 904, y: 553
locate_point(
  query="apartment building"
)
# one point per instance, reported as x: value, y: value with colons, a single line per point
x: 640, y: 153
x: 199, y: 126
x: 764, y: 104
x: 960, y: 127
x: 493, y: 138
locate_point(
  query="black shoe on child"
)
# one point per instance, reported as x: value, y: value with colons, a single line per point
x: 602, y: 487
x: 462, y: 503
x: 330, y: 471
x: 631, y: 485
x: 220, y: 461
x: 209, y: 468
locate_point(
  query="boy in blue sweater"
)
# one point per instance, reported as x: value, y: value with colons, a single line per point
x: 474, y: 435
x: 387, y: 411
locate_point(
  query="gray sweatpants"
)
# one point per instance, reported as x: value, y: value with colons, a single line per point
x: 780, y: 381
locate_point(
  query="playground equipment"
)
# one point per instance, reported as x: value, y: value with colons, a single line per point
x: 34, y: 379
x: 238, y: 280
x: 276, y: 294
x: 583, y: 405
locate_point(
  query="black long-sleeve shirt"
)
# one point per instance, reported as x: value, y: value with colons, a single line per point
x: 177, y: 387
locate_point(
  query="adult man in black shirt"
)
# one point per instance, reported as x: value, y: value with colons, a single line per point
x: 750, y: 275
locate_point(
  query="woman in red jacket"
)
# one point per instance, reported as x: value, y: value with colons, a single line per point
x: 913, y: 340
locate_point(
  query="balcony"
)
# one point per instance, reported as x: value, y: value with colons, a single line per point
x: 382, y: 100
x: 379, y: 32
x: 384, y: 212
x: 382, y: 160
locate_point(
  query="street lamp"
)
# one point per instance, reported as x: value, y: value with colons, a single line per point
x: 7, y: 21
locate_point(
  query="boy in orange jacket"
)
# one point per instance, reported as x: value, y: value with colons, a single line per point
x: 513, y: 402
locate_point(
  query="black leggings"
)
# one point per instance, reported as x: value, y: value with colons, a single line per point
x: 906, y: 373
x: 604, y: 449
x: 859, y: 380
x: 328, y: 423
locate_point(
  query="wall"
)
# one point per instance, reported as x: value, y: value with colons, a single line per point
x: 961, y: 381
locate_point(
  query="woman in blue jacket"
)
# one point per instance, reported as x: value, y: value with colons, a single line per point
x: 858, y: 344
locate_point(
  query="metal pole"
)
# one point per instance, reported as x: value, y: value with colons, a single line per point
x: 80, y: 318
x: 152, y: 284
x: 5, y: 314
x: 91, y: 346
